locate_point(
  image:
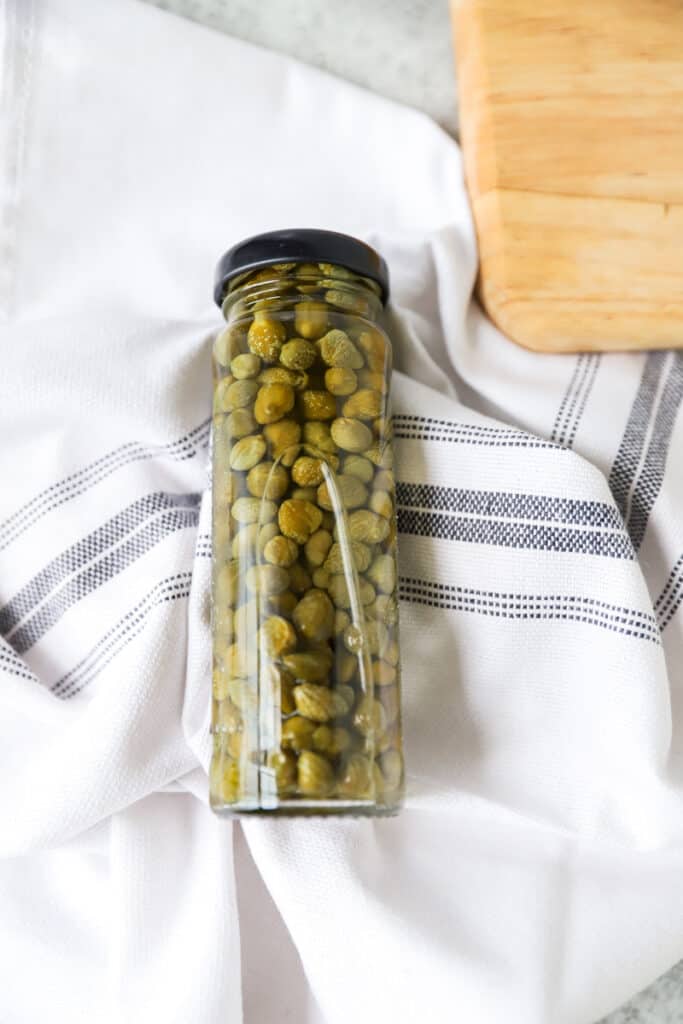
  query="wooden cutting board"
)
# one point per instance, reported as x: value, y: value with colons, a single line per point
x: 571, y: 121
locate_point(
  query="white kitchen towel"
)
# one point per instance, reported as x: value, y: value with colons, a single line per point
x: 534, y: 875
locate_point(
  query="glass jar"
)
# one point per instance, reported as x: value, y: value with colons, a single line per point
x: 306, y: 708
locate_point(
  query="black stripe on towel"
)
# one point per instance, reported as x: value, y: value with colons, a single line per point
x: 651, y: 475
x: 85, y: 550
x: 98, y: 573
x: 121, y: 634
x: 76, y: 483
x: 509, y: 504
x: 509, y: 605
x: 628, y: 456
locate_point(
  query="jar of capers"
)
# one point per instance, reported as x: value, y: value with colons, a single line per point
x: 306, y: 673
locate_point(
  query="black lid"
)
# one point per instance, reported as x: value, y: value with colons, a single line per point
x: 301, y: 245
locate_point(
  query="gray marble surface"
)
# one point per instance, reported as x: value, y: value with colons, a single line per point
x: 400, y: 49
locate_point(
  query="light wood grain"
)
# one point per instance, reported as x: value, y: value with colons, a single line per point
x: 572, y: 127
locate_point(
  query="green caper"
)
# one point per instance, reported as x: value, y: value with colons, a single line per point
x: 298, y: 354
x: 244, y: 366
x: 309, y: 666
x: 310, y: 319
x: 351, y: 435
x: 315, y: 775
x: 382, y: 573
x: 282, y: 551
x: 299, y: 519
x: 337, y: 349
x: 317, y: 435
x: 240, y: 423
x: 273, y: 401
x: 277, y: 636
x: 365, y: 404
x: 356, y: 465
x: 266, y: 337
x: 246, y: 452
x: 267, y: 480
x: 351, y: 490
x: 251, y: 510
x: 320, y: 405
x: 359, y: 553
x: 238, y: 395
x: 317, y: 547
x: 340, y: 381
x: 267, y: 579
x: 314, y: 616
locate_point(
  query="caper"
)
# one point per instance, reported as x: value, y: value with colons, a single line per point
x: 251, y: 510
x: 318, y: 703
x: 309, y: 666
x: 365, y: 404
x: 277, y: 636
x: 266, y: 337
x: 314, y: 616
x: 317, y: 435
x: 359, y: 553
x: 299, y: 579
x: 317, y: 547
x: 351, y: 435
x: 383, y: 674
x: 388, y: 695
x: 355, y: 780
x: 304, y: 494
x: 224, y: 780
x: 273, y: 401
x: 245, y: 365
x: 337, y: 349
x: 341, y: 621
x: 339, y: 592
x: 296, y: 379
x: 310, y: 319
x: 226, y: 346
x: 382, y: 573
x: 315, y: 775
x: 347, y: 665
x: 391, y: 765
x: 340, y: 381
x: 282, y: 438
x: 321, y: 578
x: 284, y: 768
x: 356, y: 465
x: 375, y: 349
x: 351, y: 490
x: 368, y: 527
x: 246, y: 452
x: 372, y: 379
x: 237, y: 395
x: 227, y: 584
x: 369, y: 716
x: 240, y: 423
x: 284, y: 603
x: 381, y: 503
x: 282, y: 551
x: 298, y: 519
x: 298, y: 354
x: 307, y: 471
x: 297, y: 734
x: 331, y: 740
x: 267, y: 579
x: 267, y: 480
x: 320, y: 405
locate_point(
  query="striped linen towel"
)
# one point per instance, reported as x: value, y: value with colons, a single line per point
x: 533, y: 877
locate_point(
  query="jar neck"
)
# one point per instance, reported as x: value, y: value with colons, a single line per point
x: 281, y: 287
